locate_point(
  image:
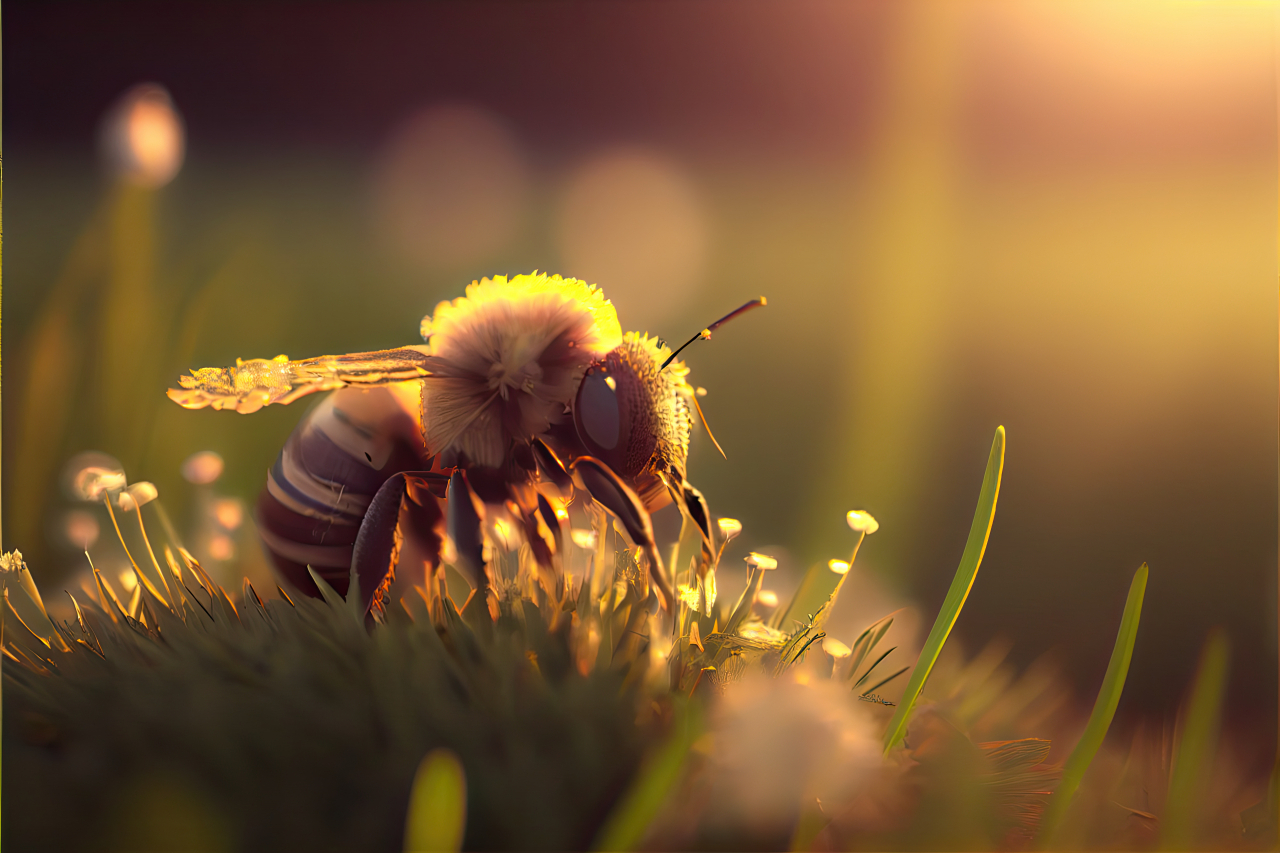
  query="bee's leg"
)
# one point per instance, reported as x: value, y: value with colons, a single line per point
x: 464, y: 523
x: 618, y: 498
x: 694, y: 505
x: 542, y: 533
x: 403, y: 509
x: 551, y: 468
x: 538, y: 518
x: 551, y: 522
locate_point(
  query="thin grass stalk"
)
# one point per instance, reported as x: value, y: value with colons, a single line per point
x: 967, y: 571
x: 143, y: 580
x: 1193, y: 751
x: 820, y: 618
x: 152, y: 554
x: 1104, y: 709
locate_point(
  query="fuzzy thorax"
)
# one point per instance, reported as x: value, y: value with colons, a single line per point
x: 507, y: 359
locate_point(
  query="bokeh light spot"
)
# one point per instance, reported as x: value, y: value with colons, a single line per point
x: 450, y: 187
x: 142, y: 136
x: 202, y: 468
x: 82, y: 529
x: 221, y: 548
x: 229, y: 512
x: 632, y: 222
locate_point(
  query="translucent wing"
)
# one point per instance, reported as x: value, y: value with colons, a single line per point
x: 259, y: 382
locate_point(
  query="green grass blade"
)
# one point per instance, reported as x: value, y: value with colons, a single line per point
x: 867, y: 642
x: 1194, y: 748
x: 873, y: 688
x: 872, y: 668
x: 960, y: 586
x: 626, y: 825
x: 1104, y: 708
x: 437, y: 805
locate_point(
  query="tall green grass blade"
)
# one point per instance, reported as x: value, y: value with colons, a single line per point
x: 1194, y: 748
x: 626, y: 825
x: 437, y: 805
x: 960, y: 586
x: 1104, y: 708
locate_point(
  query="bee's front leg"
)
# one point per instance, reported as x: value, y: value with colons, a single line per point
x: 403, y: 512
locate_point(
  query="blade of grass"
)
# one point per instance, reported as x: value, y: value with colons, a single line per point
x: 873, y: 688
x: 1104, y: 708
x: 627, y: 823
x: 974, y: 548
x: 873, y: 666
x: 867, y: 641
x: 1194, y: 748
x: 437, y: 805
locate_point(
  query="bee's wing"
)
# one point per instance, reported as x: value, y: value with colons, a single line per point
x: 259, y: 382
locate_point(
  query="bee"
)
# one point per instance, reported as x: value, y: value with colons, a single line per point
x: 523, y: 386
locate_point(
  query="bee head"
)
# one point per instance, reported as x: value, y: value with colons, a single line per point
x: 631, y: 409
x: 633, y: 415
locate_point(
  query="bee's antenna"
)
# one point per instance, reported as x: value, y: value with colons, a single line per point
x: 707, y: 426
x: 706, y: 333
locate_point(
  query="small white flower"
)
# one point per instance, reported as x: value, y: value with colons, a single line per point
x: 136, y: 495
x: 862, y: 522
x: 729, y: 527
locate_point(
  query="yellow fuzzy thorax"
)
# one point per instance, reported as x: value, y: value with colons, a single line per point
x: 506, y: 361
x: 481, y: 296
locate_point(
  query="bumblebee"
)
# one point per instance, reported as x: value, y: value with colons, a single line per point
x: 523, y: 386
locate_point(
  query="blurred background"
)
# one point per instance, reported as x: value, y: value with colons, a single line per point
x: 1060, y: 217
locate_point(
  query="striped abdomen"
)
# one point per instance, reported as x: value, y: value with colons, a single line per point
x: 322, y: 482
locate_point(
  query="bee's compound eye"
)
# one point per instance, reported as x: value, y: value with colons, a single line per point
x: 596, y: 411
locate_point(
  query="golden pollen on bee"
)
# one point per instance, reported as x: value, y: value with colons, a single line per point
x: 613, y: 386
